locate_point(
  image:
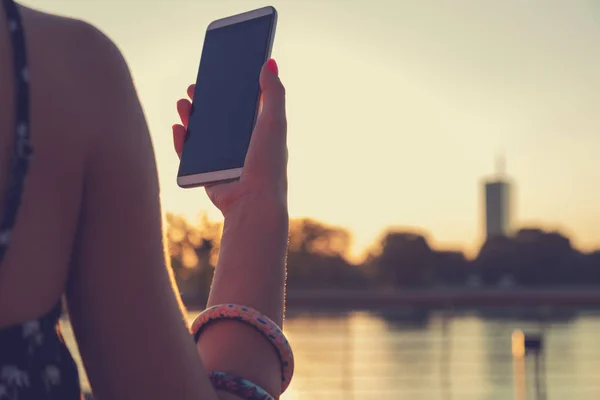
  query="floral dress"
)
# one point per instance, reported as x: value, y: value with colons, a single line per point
x: 35, y: 364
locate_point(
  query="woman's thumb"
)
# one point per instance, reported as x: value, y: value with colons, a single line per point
x: 273, y: 92
x: 267, y: 155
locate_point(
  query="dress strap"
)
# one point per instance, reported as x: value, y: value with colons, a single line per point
x: 22, y: 147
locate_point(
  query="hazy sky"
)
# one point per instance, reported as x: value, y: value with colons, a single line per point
x: 397, y: 109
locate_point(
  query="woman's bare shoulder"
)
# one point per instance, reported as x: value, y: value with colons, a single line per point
x: 79, y: 37
x: 75, y: 64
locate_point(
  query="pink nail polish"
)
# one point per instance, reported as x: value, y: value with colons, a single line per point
x: 272, y: 65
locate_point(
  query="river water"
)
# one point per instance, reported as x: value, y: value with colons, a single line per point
x: 363, y: 356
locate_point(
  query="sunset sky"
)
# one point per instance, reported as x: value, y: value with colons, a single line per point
x: 397, y: 109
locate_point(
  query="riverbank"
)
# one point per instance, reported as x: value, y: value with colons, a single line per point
x: 437, y: 299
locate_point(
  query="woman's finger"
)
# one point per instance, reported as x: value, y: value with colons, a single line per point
x: 267, y: 154
x: 272, y: 100
x: 273, y: 92
x: 272, y: 117
x: 190, y: 91
x: 184, y: 108
x: 178, y: 138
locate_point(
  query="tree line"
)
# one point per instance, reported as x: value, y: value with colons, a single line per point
x: 318, y: 259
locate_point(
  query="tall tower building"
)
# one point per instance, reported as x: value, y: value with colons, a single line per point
x: 498, y: 203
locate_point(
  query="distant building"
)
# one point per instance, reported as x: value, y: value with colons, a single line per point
x: 497, y: 204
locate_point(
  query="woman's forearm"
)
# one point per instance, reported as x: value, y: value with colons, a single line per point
x: 251, y: 267
x: 250, y: 272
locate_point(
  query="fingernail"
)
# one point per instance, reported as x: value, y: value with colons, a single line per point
x: 272, y: 65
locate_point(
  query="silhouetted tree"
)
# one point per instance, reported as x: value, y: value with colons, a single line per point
x: 533, y: 258
x: 451, y: 268
x: 495, y: 260
x: 542, y: 258
x: 405, y: 259
x: 590, y: 265
x: 194, y: 253
x: 317, y: 257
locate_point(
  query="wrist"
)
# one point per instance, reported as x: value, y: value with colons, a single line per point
x: 256, y: 230
x: 263, y: 212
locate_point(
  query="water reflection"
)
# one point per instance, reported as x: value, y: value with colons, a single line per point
x: 445, y: 356
x: 497, y: 366
x: 445, y: 352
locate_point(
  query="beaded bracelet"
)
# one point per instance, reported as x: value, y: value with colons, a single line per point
x: 240, y: 387
x: 258, y: 321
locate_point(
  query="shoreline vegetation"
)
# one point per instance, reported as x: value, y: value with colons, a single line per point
x: 532, y: 268
x: 547, y: 300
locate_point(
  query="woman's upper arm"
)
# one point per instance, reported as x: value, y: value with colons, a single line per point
x: 127, y: 319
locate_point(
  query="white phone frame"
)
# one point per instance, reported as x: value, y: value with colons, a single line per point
x: 213, y: 177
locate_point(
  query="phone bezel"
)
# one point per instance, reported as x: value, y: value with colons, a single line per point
x: 213, y: 177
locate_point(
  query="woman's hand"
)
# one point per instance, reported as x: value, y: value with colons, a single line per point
x: 251, y: 266
x: 264, y: 176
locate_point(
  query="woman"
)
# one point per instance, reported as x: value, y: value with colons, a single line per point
x: 81, y: 217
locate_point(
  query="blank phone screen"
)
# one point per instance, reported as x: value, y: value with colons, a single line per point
x: 226, y: 97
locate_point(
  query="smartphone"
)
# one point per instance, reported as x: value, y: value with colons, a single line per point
x: 226, y: 99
